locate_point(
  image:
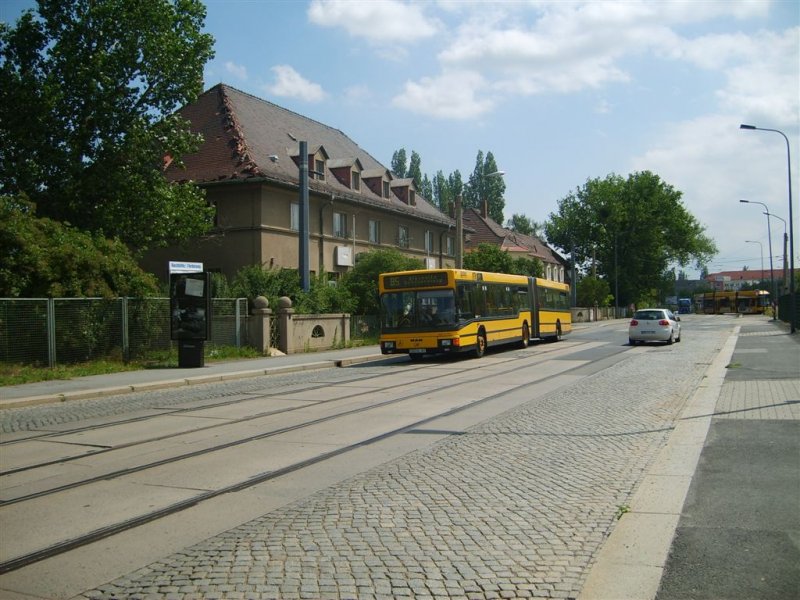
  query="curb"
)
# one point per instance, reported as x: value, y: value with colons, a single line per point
x: 631, y: 562
x: 186, y: 381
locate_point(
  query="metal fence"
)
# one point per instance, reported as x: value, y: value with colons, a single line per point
x: 365, y: 327
x: 51, y: 331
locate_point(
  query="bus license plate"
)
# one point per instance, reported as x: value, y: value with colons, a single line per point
x: 417, y: 351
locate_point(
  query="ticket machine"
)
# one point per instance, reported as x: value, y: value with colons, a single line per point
x: 190, y: 315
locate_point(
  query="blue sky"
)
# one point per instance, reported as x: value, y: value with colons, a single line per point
x: 560, y: 92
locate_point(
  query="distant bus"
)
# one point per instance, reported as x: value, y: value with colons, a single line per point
x: 684, y: 305
x: 749, y: 302
x: 447, y: 311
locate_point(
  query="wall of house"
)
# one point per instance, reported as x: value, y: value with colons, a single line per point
x: 254, y: 227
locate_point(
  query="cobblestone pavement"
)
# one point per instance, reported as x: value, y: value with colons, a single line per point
x: 516, y: 507
x: 48, y: 415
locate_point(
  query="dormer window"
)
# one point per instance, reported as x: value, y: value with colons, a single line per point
x: 412, y: 198
x: 355, y: 178
x: 319, y: 169
x: 385, y: 189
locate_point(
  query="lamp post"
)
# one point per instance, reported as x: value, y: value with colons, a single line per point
x: 769, y: 238
x: 785, y: 242
x: 761, y: 246
x: 792, y: 301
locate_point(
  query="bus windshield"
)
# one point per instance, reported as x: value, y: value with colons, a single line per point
x: 415, y: 310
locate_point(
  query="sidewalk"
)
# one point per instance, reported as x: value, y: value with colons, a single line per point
x: 718, y: 516
x: 98, y: 386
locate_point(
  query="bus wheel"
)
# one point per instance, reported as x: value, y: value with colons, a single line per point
x: 558, y: 336
x: 526, y: 336
x: 480, y: 344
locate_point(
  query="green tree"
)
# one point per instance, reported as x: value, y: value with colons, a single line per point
x: 532, y: 267
x: 488, y: 257
x: 521, y: 224
x: 415, y: 170
x: 485, y: 185
x: 426, y: 189
x: 455, y: 184
x: 399, y: 165
x: 634, y: 229
x: 362, y: 280
x: 100, y: 81
x: 592, y: 290
x: 42, y: 257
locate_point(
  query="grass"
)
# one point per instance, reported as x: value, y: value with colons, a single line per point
x: 17, y: 374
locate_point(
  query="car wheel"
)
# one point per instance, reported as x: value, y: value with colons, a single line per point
x: 631, y: 342
x: 671, y: 338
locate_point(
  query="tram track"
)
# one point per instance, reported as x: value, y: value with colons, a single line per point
x: 189, y: 410
x: 175, y: 507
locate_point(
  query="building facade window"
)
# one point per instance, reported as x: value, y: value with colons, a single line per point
x: 385, y: 189
x: 295, y: 218
x: 451, y: 247
x: 356, y: 180
x: 428, y: 241
x: 339, y: 225
x: 412, y: 199
x: 374, y: 231
x: 402, y: 236
x: 319, y: 167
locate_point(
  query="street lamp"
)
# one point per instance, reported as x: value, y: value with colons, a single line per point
x: 769, y: 238
x: 792, y: 311
x: 761, y: 246
x: 785, y: 242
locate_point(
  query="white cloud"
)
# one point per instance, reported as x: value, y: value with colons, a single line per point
x: 566, y: 47
x: 715, y: 164
x: 381, y: 22
x: 290, y: 83
x: 452, y: 95
x: 238, y: 71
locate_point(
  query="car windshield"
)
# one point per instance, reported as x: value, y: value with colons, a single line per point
x: 649, y: 315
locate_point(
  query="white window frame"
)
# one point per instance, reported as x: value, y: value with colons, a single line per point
x: 339, y: 225
x: 451, y: 247
x: 403, y: 238
x: 428, y: 241
x: 294, y: 218
x: 355, y: 180
x: 374, y: 231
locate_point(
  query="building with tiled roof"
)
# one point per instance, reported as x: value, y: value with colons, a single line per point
x: 248, y: 164
x: 736, y: 280
x: 484, y: 230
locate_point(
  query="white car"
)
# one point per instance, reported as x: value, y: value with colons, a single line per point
x: 654, y: 325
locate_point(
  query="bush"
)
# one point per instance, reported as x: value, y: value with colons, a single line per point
x: 362, y: 281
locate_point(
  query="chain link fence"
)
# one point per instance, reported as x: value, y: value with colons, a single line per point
x: 51, y: 331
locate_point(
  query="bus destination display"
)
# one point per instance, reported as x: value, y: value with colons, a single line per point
x: 416, y: 280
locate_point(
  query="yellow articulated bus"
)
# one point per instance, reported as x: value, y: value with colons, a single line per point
x: 749, y: 302
x: 448, y: 311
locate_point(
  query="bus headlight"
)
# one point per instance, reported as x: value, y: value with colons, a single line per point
x: 388, y: 345
x: 445, y: 342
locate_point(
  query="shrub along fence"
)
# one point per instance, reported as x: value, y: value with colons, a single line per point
x: 52, y: 331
